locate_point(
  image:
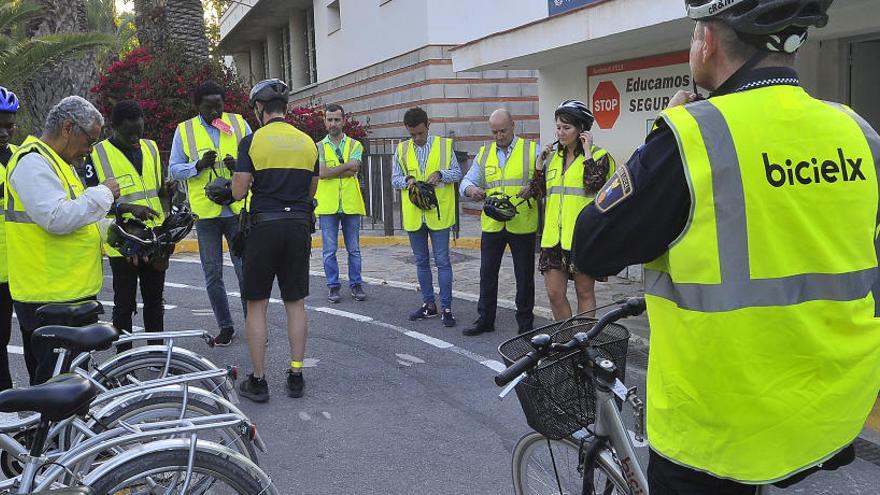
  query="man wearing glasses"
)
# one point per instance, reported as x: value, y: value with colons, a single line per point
x: 340, y: 202
x: 52, y: 233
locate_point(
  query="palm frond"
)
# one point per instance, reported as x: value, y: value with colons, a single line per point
x: 25, y: 58
x: 14, y: 14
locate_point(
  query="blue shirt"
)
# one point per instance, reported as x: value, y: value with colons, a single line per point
x: 181, y: 168
x: 450, y: 175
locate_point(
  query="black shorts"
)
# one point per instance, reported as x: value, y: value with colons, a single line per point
x: 277, y: 248
x: 668, y: 478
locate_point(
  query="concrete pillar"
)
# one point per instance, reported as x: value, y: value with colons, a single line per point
x: 242, y: 63
x: 273, y: 43
x: 299, y: 64
x: 258, y: 73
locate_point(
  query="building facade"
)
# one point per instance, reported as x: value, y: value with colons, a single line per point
x: 378, y: 58
x: 626, y: 58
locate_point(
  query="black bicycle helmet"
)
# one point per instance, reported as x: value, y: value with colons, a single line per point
x: 424, y: 197
x: 772, y: 25
x: 499, y: 207
x: 219, y: 191
x: 175, y: 227
x: 131, y: 237
x: 577, y: 109
x: 268, y: 90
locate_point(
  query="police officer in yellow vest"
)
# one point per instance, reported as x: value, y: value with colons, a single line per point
x: 8, y: 109
x: 428, y: 159
x: 134, y: 163
x: 573, y: 175
x: 504, y: 168
x: 205, y: 148
x: 765, y: 346
x: 53, y: 240
x: 340, y: 202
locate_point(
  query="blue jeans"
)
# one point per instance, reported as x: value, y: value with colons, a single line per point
x: 440, y: 242
x: 211, y: 232
x: 351, y: 230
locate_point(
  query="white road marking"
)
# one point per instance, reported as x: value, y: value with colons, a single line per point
x: 440, y: 344
x: 304, y: 416
x: 310, y: 362
x: 494, y: 365
x: 110, y: 304
x: 344, y: 314
x: 404, y: 363
x: 15, y: 349
x: 411, y: 359
x: 326, y: 415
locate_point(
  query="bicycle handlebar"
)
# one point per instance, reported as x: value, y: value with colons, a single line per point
x: 633, y: 306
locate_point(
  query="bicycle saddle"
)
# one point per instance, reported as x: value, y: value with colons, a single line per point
x: 78, y: 339
x: 77, y: 490
x: 70, y: 314
x: 59, y: 398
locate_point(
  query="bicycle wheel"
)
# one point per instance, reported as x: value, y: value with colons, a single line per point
x: 166, y: 472
x: 143, y: 367
x: 166, y: 407
x: 543, y: 467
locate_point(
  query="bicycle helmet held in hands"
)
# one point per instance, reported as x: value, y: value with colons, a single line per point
x: 132, y: 237
x: 578, y: 110
x: 499, y: 207
x: 175, y: 227
x: 8, y: 101
x: 771, y: 25
x: 219, y: 191
x: 424, y: 197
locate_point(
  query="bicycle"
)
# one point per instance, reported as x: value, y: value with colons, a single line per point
x: 569, y: 386
x: 166, y: 457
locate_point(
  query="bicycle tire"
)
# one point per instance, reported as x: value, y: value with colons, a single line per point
x: 536, y: 472
x: 179, y: 364
x: 167, y: 407
x: 237, y: 478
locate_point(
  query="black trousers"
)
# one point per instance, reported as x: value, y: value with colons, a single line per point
x: 126, y: 277
x: 668, y: 478
x: 40, y: 361
x: 5, y: 334
x: 522, y: 247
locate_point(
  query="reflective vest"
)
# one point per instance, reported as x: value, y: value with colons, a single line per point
x: 196, y: 142
x: 339, y: 194
x: 4, y: 271
x: 517, y: 172
x: 134, y: 188
x: 566, y: 198
x: 765, y: 349
x: 45, y: 267
x: 413, y: 217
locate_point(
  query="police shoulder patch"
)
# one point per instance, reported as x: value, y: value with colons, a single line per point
x: 617, y: 189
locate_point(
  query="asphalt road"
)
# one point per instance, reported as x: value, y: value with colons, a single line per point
x: 391, y: 406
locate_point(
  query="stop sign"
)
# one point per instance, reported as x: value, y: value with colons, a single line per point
x: 606, y: 104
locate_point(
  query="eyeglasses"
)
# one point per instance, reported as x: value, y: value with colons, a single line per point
x: 92, y: 141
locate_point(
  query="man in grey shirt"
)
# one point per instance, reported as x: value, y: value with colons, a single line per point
x: 53, y: 237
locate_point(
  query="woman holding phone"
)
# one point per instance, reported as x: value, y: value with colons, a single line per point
x: 577, y: 169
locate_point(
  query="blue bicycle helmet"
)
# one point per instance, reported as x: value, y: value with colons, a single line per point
x: 8, y: 101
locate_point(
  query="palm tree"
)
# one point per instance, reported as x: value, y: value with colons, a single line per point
x: 162, y: 24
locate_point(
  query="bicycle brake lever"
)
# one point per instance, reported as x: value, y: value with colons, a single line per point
x: 510, y: 386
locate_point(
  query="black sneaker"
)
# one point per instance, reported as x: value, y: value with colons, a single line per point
x: 224, y: 338
x: 334, y: 296
x: 447, y: 318
x: 477, y: 328
x: 357, y: 292
x: 428, y: 310
x: 295, y: 384
x: 254, y: 389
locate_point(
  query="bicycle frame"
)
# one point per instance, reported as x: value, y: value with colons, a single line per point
x: 628, y: 475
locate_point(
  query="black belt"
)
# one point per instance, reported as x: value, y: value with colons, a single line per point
x: 281, y: 215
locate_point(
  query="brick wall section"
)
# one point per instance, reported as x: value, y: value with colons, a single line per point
x: 458, y: 104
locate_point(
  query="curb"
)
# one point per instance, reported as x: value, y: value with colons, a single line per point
x: 192, y: 245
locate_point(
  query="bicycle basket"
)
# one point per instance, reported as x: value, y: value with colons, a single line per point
x: 556, y: 398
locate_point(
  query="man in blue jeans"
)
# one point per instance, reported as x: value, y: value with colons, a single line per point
x: 205, y: 150
x: 418, y: 161
x: 340, y: 202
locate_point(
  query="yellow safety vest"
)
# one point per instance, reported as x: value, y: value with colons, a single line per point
x: 517, y: 172
x: 339, y: 194
x: 765, y: 349
x: 4, y: 270
x: 45, y: 267
x: 196, y: 142
x: 414, y: 217
x: 566, y: 198
x: 134, y: 188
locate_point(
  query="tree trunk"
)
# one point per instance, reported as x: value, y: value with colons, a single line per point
x: 74, y: 76
x: 163, y: 24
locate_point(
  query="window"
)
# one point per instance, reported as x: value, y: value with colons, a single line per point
x: 334, y: 18
x: 286, y: 60
x: 312, y: 65
x: 265, y: 60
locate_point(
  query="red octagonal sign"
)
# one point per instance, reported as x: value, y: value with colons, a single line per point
x: 606, y: 104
